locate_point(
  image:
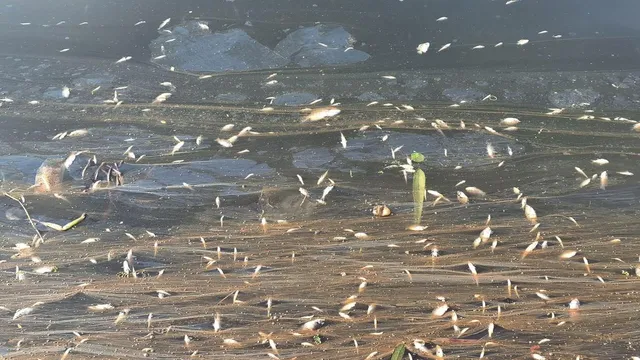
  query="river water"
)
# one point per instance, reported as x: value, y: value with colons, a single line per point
x: 191, y: 248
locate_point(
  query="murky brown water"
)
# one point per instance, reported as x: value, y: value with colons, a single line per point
x: 187, y: 247
x: 307, y: 259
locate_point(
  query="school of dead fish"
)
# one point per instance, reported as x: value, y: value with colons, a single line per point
x: 464, y: 196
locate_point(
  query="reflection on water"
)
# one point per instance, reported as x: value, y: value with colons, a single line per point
x: 218, y: 223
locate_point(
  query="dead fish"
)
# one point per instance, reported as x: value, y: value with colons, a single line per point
x: 313, y: 324
x: 343, y: 140
x: 530, y: 214
x: 509, y: 121
x: 227, y: 127
x: 164, y: 23
x: 462, y: 197
x: 472, y: 190
x: 381, y: 211
x: 161, y: 98
x: 123, y: 59
x: 491, y: 152
x: 444, y: 47
x: 604, y: 180
x: 440, y: 310
x: 423, y: 48
x: 51, y: 175
x: 321, y: 113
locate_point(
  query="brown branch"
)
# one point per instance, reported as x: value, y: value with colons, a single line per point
x: 33, y: 225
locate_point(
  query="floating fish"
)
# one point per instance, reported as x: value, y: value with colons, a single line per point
x: 321, y: 113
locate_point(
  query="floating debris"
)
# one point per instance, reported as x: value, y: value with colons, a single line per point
x: 381, y: 211
x: 161, y: 98
x: 472, y: 190
x: 444, y: 47
x: 422, y: 49
x: 510, y: 121
x: 162, y: 24
x: 462, y: 197
x: 530, y: 214
x: 321, y: 113
x: 440, y: 310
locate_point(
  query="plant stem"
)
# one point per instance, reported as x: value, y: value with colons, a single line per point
x: 33, y: 225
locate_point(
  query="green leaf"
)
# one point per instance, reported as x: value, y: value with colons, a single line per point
x: 417, y: 157
x: 419, y: 185
x: 74, y: 222
x: 398, y: 352
x: 67, y: 226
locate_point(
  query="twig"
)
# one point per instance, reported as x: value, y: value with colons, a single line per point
x: 33, y: 225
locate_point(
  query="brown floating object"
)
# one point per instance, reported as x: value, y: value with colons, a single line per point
x: 321, y: 113
x: 50, y: 176
x: 381, y: 211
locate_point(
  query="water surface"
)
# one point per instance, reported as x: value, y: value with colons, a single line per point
x: 227, y: 233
